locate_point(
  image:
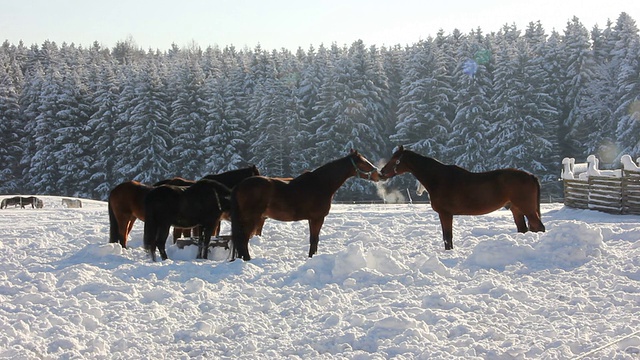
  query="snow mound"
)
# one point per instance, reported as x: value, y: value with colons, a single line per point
x: 565, y: 246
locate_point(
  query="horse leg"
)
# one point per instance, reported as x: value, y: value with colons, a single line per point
x: 446, y: 221
x: 260, y: 226
x: 216, y: 232
x: 150, y: 238
x: 518, y: 217
x: 161, y: 241
x: 202, y: 247
x: 314, y: 234
x: 128, y: 225
x: 177, y: 234
x: 241, y: 231
x: 205, y: 233
x: 535, y: 223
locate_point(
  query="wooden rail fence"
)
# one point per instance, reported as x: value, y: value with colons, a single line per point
x: 616, y: 195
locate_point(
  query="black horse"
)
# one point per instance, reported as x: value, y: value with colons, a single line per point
x: 200, y: 204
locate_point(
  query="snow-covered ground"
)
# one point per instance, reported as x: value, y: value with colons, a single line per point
x: 381, y: 287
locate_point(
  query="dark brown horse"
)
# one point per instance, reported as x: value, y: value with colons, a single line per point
x: 306, y: 197
x: 179, y: 232
x: 22, y: 201
x: 229, y: 179
x: 126, y: 200
x: 456, y: 191
x: 200, y: 204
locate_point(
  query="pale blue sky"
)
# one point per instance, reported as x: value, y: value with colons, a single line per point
x: 290, y: 24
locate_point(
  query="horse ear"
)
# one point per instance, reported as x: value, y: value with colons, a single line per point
x: 401, y: 148
x: 353, y: 152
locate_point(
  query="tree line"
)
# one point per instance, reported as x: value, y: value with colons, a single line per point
x: 79, y: 120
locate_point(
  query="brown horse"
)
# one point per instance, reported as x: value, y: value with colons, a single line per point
x: 456, y: 191
x: 126, y: 204
x: 306, y: 197
x: 126, y: 201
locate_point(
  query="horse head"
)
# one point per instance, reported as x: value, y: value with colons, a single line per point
x: 395, y: 165
x: 363, y: 167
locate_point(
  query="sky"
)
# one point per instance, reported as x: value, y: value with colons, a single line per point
x: 289, y: 24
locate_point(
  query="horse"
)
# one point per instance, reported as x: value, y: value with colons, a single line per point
x: 305, y: 197
x: 200, y: 204
x: 229, y: 179
x: 125, y: 205
x: 34, y: 201
x: 21, y: 201
x: 126, y: 200
x: 178, y: 181
x: 15, y: 201
x: 71, y: 203
x: 456, y: 191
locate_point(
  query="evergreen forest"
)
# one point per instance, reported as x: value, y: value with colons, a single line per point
x: 78, y: 120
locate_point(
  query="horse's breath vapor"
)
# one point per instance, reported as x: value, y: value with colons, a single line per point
x: 392, y: 196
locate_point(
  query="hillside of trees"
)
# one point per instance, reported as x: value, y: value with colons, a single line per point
x: 77, y: 121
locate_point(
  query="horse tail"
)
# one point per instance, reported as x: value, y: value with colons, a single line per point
x: 237, y: 230
x: 114, y: 233
x: 539, y: 196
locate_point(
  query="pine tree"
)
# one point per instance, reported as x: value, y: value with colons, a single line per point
x: 10, y: 136
x: 626, y: 53
x: 145, y: 139
x: 597, y: 106
x: 188, y: 118
x: 71, y: 155
x: 469, y: 143
x: 578, y: 68
x: 353, y: 112
x: 226, y: 129
x: 425, y: 102
x: 102, y: 131
x: 518, y: 131
x: 44, y: 174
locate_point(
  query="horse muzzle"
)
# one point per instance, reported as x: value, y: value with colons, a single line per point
x: 385, y: 175
x: 376, y: 176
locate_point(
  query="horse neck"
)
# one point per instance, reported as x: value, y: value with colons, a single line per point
x: 424, y: 168
x: 335, y: 173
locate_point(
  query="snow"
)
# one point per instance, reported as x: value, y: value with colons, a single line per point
x: 628, y: 163
x: 382, y: 286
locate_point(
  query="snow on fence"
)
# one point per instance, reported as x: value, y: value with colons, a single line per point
x: 612, y: 191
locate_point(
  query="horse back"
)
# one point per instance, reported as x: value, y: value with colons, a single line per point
x: 128, y: 197
x: 210, y: 195
x: 232, y: 178
x: 175, y: 181
x: 282, y: 199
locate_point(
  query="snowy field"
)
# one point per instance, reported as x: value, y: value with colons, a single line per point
x: 381, y: 287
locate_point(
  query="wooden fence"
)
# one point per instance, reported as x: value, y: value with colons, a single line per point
x: 616, y: 195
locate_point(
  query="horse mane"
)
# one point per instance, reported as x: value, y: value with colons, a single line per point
x: 319, y: 171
